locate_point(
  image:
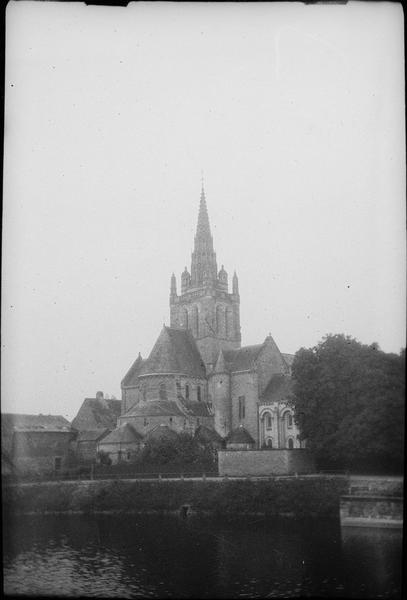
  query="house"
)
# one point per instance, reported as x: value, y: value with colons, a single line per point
x: 38, y: 444
x: 87, y: 443
x: 123, y: 444
x: 97, y: 413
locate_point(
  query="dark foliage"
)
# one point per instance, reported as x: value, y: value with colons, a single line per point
x: 349, y: 404
x: 182, y: 450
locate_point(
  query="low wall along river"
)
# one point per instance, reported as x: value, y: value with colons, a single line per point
x: 313, y: 496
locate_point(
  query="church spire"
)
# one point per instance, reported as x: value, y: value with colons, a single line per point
x: 203, y: 267
x: 203, y: 230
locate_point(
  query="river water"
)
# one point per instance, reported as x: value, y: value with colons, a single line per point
x: 169, y: 557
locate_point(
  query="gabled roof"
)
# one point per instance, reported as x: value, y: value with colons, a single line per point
x: 207, y: 435
x: 240, y: 435
x: 11, y: 422
x: 154, y: 408
x: 175, y: 351
x: 35, y: 422
x: 92, y: 436
x: 278, y: 389
x: 194, y: 409
x: 161, y: 431
x: 123, y: 434
x: 132, y: 374
x: 243, y: 358
x: 96, y: 413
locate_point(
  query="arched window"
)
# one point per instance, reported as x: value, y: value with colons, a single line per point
x: 269, y: 421
x: 269, y: 443
x: 290, y: 443
x: 163, y: 391
x: 198, y: 393
x: 187, y: 392
x: 289, y: 418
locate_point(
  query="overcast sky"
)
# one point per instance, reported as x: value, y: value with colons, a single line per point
x: 294, y: 113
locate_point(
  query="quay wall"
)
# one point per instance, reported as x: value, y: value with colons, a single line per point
x: 295, y: 497
x: 265, y: 462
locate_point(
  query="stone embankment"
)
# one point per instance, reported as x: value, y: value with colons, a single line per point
x: 373, y: 502
x: 312, y: 496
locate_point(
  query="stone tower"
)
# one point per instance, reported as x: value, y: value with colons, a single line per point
x: 205, y: 305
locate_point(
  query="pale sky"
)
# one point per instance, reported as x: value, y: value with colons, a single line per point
x: 294, y: 113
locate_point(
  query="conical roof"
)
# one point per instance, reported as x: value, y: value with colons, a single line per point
x: 240, y: 435
x: 203, y: 229
x: 175, y: 351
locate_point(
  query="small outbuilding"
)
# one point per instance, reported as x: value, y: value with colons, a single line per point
x: 87, y: 443
x: 123, y: 444
x: 239, y: 439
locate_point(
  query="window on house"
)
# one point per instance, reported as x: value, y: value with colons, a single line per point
x: 187, y: 392
x: 242, y: 407
x: 269, y: 421
x: 57, y: 463
x: 290, y: 444
x: 198, y: 393
x: 178, y: 385
x: 170, y: 420
x: 128, y: 455
x: 163, y: 391
x: 289, y: 420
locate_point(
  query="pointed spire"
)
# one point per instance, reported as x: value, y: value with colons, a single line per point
x: 203, y: 256
x: 203, y: 229
x: 235, y: 284
x: 173, y: 285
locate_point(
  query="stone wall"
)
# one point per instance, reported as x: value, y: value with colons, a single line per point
x: 245, y: 384
x: 264, y: 462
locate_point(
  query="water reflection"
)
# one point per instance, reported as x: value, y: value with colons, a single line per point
x: 166, y: 557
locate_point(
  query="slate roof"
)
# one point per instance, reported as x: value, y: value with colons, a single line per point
x: 240, y: 435
x: 155, y: 408
x: 11, y: 422
x: 161, y: 431
x: 194, y: 409
x: 278, y: 389
x: 35, y: 422
x: 92, y: 436
x: 97, y: 413
x: 175, y: 351
x: 132, y: 374
x: 243, y: 358
x: 208, y: 435
x: 123, y: 434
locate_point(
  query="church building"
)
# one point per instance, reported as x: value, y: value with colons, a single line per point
x: 199, y: 375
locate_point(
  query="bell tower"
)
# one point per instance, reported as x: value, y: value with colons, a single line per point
x: 205, y: 305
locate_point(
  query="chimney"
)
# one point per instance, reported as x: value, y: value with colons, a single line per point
x: 99, y: 395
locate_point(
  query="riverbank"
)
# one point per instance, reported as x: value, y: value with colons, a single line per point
x: 294, y: 497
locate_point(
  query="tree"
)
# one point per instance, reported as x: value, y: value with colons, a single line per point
x: 182, y: 450
x: 349, y: 402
